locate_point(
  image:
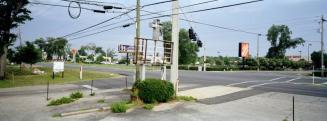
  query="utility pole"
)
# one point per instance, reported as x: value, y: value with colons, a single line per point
x: 258, y: 43
x: 138, y: 32
x: 204, y: 58
x: 300, y: 54
x: 175, y: 38
x: 309, y: 52
x: 322, y: 45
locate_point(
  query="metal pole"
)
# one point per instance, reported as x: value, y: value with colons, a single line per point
x: 175, y: 39
x: 48, y: 90
x: 313, y: 75
x: 138, y: 32
x: 258, y: 63
x: 127, y: 59
x: 92, y: 87
x: 322, y: 45
x: 293, y: 109
x: 309, y: 52
x: 204, y: 58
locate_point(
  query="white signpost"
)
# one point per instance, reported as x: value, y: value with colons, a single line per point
x: 58, y: 66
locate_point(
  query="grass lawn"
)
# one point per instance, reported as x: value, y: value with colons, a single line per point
x: 25, y: 77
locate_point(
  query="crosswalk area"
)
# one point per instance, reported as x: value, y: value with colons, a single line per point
x: 299, y: 80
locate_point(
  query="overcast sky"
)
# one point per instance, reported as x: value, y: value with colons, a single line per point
x: 301, y: 16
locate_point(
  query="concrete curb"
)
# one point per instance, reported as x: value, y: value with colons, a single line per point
x: 84, y: 111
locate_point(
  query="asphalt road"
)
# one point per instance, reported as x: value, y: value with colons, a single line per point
x: 260, y: 82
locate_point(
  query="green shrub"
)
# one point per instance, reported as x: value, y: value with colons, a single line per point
x: 119, y: 107
x: 155, y: 90
x: 185, y: 98
x: 60, y: 101
x: 76, y: 95
x: 148, y: 106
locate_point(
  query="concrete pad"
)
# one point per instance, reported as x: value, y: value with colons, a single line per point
x: 166, y: 106
x: 210, y: 92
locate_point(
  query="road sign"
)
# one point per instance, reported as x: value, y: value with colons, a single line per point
x: 58, y: 66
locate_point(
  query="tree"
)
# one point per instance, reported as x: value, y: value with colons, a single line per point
x: 187, y: 49
x: 82, y: 52
x: 29, y: 54
x: 111, y: 53
x: 53, y: 47
x: 12, y: 14
x: 316, y: 59
x: 280, y: 39
x: 41, y: 43
x: 60, y: 45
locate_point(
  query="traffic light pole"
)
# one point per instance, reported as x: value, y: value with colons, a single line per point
x: 322, y: 45
x: 175, y: 39
x: 258, y: 43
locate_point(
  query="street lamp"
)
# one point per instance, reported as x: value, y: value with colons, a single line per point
x: 309, y: 51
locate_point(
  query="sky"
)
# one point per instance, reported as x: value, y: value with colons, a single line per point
x: 302, y: 17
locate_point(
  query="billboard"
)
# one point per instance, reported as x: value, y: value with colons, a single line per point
x: 125, y: 48
x: 243, y: 50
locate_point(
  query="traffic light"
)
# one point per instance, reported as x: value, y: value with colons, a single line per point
x: 192, y: 35
x: 199, y: 43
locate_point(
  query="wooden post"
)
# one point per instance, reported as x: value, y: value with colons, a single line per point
x: 48, y: 90
x: 126, y: 81
x: 62, y: 74
x: 13, y: 79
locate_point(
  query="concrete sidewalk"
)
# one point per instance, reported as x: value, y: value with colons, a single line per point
x: 33, y: 107
x: 270, y: 106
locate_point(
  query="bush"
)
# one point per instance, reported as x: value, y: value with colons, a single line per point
x: 76, y: 95
x: 119, y: 107
x: 63, y: 100
x: 148, y: 106
x: 155, y: 90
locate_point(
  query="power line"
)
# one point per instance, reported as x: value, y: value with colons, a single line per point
x: 57, y: 5
x: 201, y: 10
x: 191, y: 5
x: 150, y: 13
x: 231, y: 29
x: 97, y: 32
x: 113, y: 18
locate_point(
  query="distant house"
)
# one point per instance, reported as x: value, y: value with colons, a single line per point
x: 294, y: 57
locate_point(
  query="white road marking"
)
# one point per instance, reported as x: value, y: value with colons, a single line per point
x: 233, y: 84
x: 293, y: 79
x: 89, y: 87
x: 288, y: 81
x: 325, y: 83
x: 258, y: 85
